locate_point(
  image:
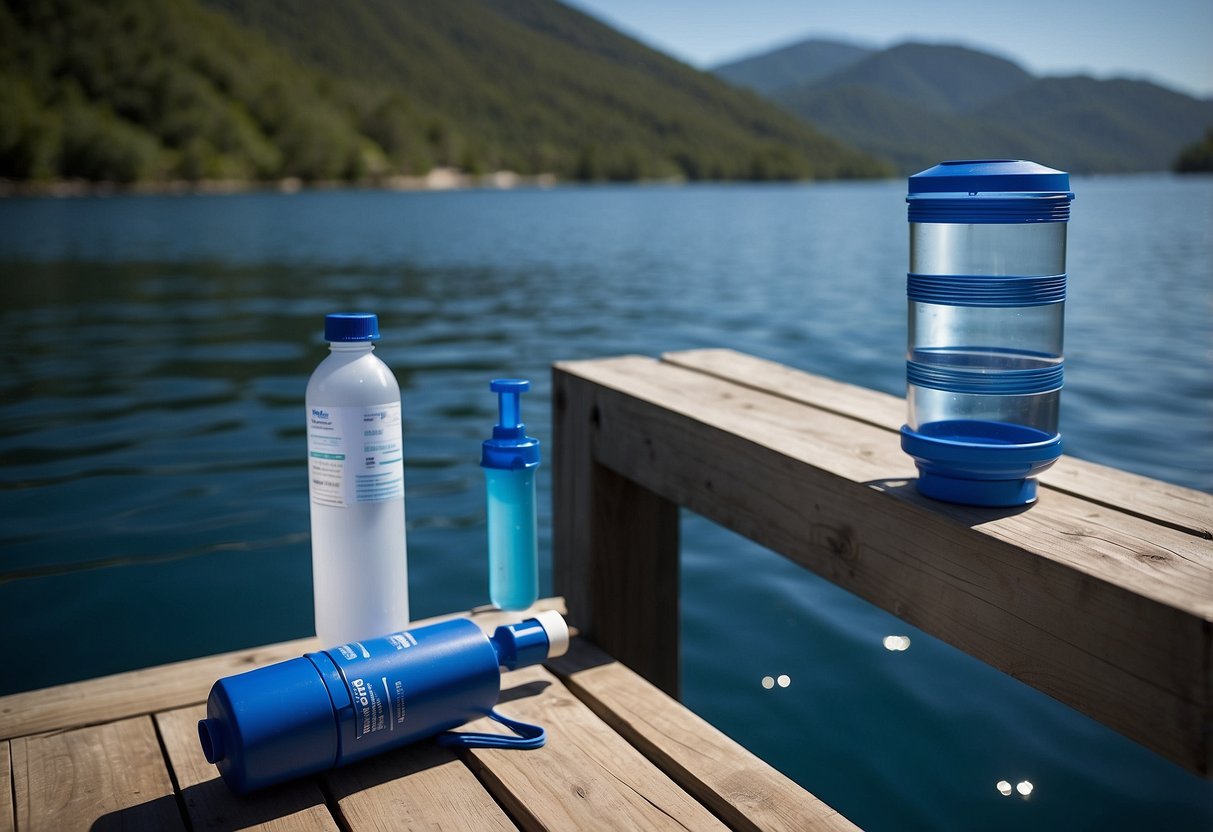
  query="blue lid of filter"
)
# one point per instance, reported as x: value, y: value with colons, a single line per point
x: 989, y: 191
x: 974, y: 176
x: 510, y: 447
x: 351, y: 326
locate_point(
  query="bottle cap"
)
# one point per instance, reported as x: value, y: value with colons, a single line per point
x: 989, y: 191
x: 351, y: 326
x: 533, y: 641
x: 510, y: 448
x: 557, y: 630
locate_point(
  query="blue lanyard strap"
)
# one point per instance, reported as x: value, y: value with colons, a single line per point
x: 527, y: 736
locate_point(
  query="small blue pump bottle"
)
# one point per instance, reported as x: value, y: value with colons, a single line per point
x: 509, y: 461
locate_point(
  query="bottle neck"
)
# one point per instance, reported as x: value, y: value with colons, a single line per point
x: 351, y: 346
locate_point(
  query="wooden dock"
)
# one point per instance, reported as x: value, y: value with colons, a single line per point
x: 122, y: 752
x: 1101, y: 595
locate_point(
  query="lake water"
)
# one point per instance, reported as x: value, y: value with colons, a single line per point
x: 152, y: 449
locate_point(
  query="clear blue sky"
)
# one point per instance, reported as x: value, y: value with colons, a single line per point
x: 1166, y: 41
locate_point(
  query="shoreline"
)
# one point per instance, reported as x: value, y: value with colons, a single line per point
x: 438, y: 179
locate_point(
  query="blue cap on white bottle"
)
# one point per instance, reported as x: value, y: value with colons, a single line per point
x: 351, y: 326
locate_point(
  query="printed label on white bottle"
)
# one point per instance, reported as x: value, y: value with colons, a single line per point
x: 355, y: 454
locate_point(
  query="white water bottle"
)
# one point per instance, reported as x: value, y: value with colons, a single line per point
x: 356, y: 483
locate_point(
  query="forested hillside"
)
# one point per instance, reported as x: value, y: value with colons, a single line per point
x: 915, y: 104
x: 136, y: 90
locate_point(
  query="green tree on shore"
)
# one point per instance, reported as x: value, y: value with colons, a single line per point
x: 1197, y: 157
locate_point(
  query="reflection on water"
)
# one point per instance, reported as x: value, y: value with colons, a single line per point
x: 896, y: 643
x: 1024, y: 787
x: 152, y: 443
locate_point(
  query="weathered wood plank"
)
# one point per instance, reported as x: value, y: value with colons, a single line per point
x: 586, y: 777
x: 612, y: 540
x: 7, y: 820
x: 105, y: 777
x: 422, y: 787
x: 134, y: 692
x: 1182, y: 508
x: 167, y: 686
x: 291, y: 807
x: 1108, y: 612
x: 747, y: 793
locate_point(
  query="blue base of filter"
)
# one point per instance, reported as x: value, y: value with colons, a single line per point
x: 980, y: 463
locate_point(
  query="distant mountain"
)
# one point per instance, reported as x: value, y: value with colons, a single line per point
x: 792, y: 65
x: 950, y: 79
x: 1109, y: 126
x: 134, y: 90
x: 916, y: 104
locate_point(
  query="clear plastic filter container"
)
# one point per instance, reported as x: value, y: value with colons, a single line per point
x: 986, y: 293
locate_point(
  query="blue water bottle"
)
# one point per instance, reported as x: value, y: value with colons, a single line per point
x: 510, y: 460
x: 986, y: 290
x: 327, y: 709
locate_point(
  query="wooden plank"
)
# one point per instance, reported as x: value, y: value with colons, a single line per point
x: 422, y: 787
x: 615, y: 550
x: 290, y: 807
x: 1105, y: 611
x: 105, y: 777
x: 7, y: 820
x: 167, y: 686
x: 747, y: 793
x: 1181, y: 508
x: 585, y: 777
x: 134, y: 692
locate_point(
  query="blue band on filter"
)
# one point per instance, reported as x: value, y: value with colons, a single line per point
x: 984, y: 382
x: 989, y: 208
x: 980, y: 290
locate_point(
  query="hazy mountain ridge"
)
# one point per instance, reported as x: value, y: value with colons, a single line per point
x: 136, y: 90
x: 916, y: 104
x: 792, y: 65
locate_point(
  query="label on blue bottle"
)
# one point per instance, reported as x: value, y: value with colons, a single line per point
x: 376, y: 686
x: 413, y: 684
x: 355, y: 454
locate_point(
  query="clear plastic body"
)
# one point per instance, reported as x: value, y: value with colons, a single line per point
x: 1026, y: 248
x: 513, y: 533
x: 968, y: 346
x: 985, y: 340
x: 359, y: 558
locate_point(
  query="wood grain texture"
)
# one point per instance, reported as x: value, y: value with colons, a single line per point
x: 747, y: 793
x: 109, y: 776
x: 1106, y: 611
x: 615, y: 550
x: 1181, y: 508
x: 585, y: 777
x: 168, y: 686
x: 422, y: 787
x: 7, y: 820
x: 291, y: 807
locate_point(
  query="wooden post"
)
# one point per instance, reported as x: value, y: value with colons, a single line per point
x: 615, y: 545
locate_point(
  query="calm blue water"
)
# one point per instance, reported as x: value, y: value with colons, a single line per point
x: 153, y: 485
